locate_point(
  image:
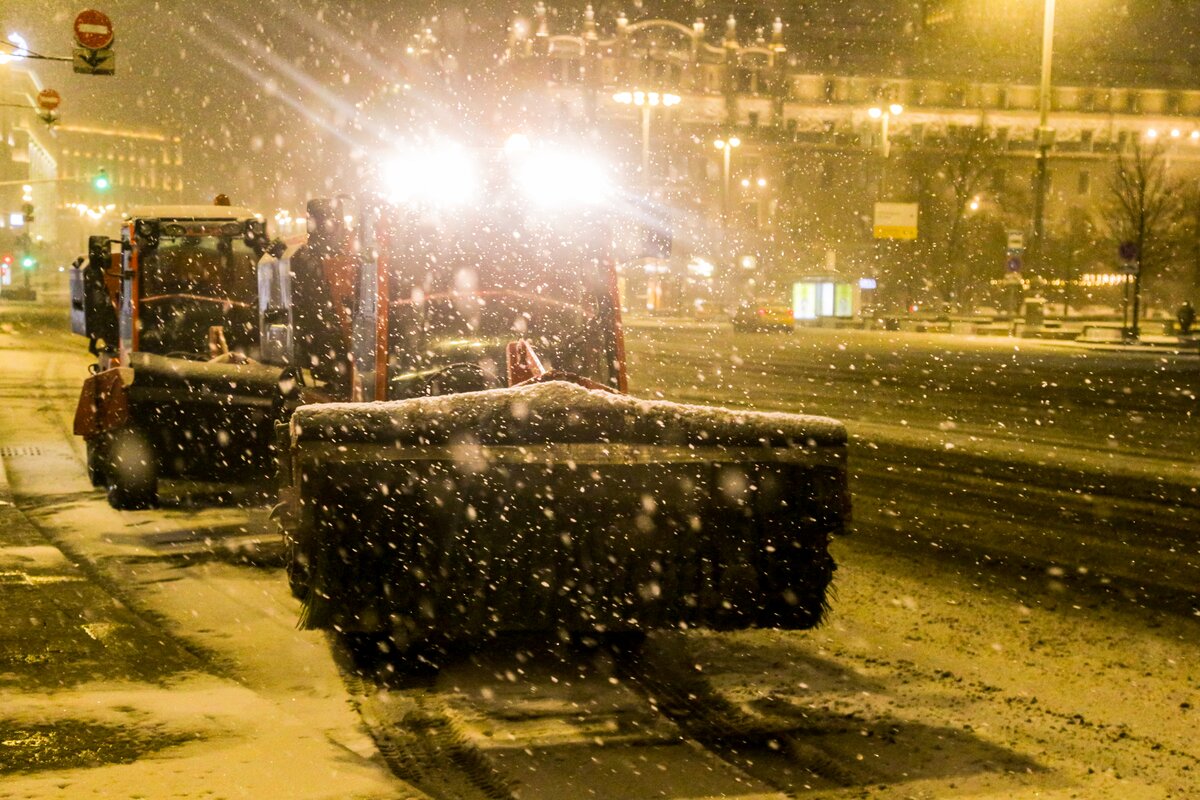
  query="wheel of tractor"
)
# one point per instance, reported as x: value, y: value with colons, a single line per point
x: 131, y: 470
x: 95, y: 462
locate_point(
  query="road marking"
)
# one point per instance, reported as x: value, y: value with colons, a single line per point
x: 14, y: 578
x: 100, y: 631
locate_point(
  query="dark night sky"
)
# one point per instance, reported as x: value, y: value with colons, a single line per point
x: 257, y: 89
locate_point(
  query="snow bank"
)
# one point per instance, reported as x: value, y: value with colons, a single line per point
x: 557, y: 411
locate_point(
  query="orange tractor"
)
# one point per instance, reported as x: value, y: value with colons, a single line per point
x: 175, y: 318
x: 501, y: 479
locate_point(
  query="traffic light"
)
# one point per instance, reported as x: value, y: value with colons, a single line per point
x: 28, y: 261
x: 101, y: 182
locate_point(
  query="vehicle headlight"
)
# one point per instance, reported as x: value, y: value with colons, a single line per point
x: 557, y: 179
x: 440, y: 176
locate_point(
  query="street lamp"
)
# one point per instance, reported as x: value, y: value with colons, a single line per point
x: 726, y: 147
x: 759, y: 185
x: 646, y: 101
x: 884, y: 115
x: 1045, y: 134
x: 16, y: 47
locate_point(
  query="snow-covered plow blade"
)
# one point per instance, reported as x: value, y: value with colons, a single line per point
x: 168, y: 416
x: 552, y: 507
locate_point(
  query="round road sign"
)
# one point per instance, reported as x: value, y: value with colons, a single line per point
x: 93, y: 29
x: 48, y: 99
x: 1013, y: 264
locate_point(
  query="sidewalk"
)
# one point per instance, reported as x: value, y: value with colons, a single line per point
x: 96, y: 701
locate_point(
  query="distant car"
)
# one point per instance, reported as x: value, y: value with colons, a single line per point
x: 763, y: 315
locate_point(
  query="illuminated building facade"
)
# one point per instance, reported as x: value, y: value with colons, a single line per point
x: 54, y: 170
x: 142, y: 167
x: 800, y: 187
x: 28, y: 162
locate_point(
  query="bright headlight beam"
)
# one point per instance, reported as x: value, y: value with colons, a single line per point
x: 555, y: 179
x: 440, y: 176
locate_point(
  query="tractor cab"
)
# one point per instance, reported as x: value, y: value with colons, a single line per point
x: 189, y: 271
x: 184, y: 281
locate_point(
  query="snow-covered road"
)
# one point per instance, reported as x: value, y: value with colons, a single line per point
x: 955, y: 662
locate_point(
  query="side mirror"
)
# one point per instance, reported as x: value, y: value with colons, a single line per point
x: 255, y: 236
x: 99, y: 251
x: 92, y: 312
x: 147, y: 232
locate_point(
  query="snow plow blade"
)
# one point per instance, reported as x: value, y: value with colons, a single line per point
x: 552, y: 507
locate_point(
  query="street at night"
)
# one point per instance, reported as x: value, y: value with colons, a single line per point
x: 1003, y: 622
x: 555, y: 400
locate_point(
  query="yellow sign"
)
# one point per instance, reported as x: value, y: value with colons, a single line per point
x: 895, y: 221
x: 94, y: 62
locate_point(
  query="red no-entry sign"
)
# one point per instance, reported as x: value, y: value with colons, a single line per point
x: 93, y: 29
x: 48, y: 99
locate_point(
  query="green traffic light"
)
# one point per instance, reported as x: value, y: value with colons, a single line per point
x: 101, y: 182
x: 28, y: 262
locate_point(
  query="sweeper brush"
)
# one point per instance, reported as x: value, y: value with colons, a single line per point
x: 554, y: 507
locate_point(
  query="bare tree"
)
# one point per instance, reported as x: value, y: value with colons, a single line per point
x: 956, y: 173
x: 1143, y: 211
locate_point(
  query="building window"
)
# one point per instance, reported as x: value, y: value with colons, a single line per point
x: 1084, y: 182
x: 713, y: 78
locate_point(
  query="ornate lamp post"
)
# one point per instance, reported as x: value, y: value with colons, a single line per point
x: 646, y: 101
x: 726, y: 147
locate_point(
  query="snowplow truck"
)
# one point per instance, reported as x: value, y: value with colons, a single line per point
x: 498, y: 478
x: 173, y: 315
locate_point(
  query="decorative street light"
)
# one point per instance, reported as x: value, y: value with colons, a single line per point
x: 884, y: 115
x: 759, y: 185
x: 646, y: 101
x: 726, y: 147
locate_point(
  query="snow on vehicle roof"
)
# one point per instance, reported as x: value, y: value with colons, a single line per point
x: 557, y: 411
x: 189, y: 212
